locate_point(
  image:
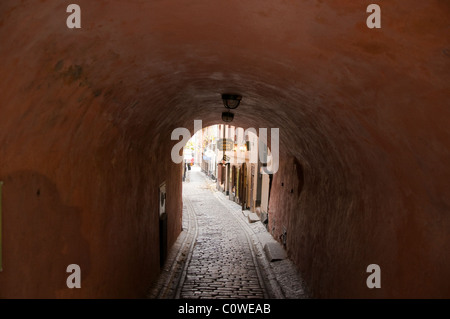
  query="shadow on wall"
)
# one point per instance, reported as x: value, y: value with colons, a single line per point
x: 41, y: 237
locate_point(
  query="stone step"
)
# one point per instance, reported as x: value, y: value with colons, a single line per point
x: 253, y: 217
x: 274, y: 251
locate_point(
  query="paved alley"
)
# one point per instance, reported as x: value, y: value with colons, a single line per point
x: 220, y: 254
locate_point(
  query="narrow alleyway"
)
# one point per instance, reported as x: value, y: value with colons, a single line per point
x: 220, y: 254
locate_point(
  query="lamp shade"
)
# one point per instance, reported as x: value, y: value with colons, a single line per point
x: 231, y: 101
x: 227, y: 116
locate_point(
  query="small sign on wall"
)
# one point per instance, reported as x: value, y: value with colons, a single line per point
x: 162, y: 198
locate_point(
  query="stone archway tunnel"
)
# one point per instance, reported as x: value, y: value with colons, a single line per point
x: 86, y: 116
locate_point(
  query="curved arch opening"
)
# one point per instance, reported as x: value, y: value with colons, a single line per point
x: 237, y: 160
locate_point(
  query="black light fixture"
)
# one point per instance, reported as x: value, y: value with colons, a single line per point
x: 227, y: 116
x: 231, y: 101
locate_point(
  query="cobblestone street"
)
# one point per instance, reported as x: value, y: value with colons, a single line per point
x: 220, y: 254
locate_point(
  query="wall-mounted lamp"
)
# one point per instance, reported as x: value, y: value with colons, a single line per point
x: 227, y: 116
x: 231, y: 101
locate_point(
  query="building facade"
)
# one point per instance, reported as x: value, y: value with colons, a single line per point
x: 231, y: 157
